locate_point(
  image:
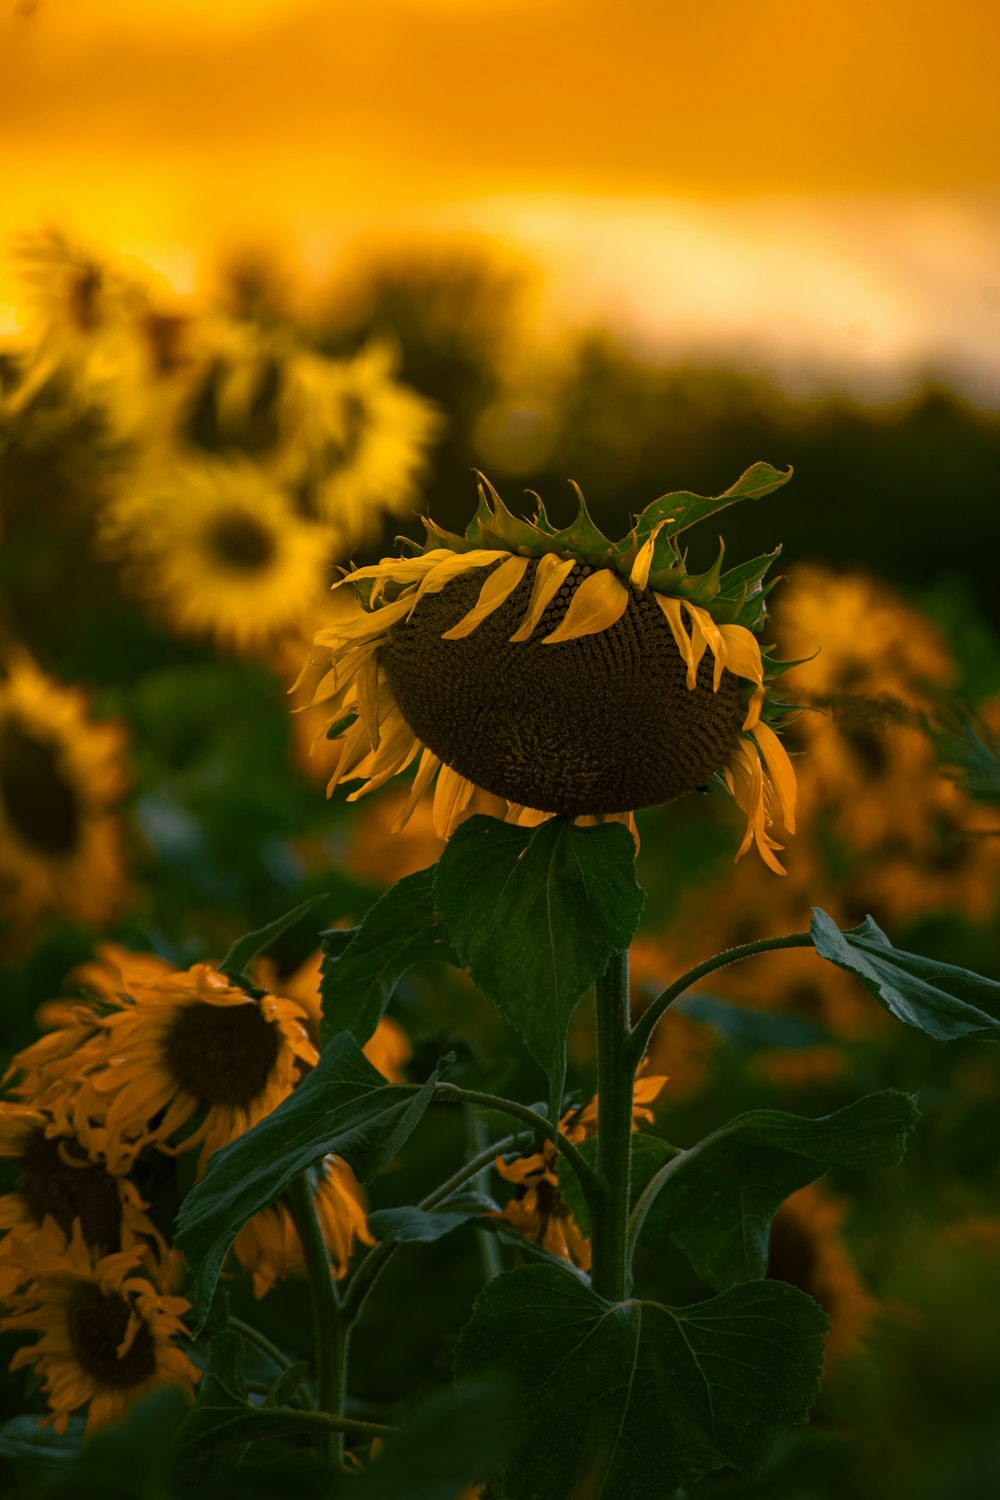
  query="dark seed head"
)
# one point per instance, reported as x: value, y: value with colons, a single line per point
x: 87, y: 1192
x: 39, y: 802
x: 96, y: 1322
x: 602, y: 724
x: 222, y: 1054
x: 240, y: 542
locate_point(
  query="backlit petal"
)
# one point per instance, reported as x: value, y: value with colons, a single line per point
x: 499, y: 586
x: 598, y: 603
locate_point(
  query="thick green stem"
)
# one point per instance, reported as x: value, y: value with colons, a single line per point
x: 331, y: 1327
x: 644, y: 1026
x: 611, y: 1272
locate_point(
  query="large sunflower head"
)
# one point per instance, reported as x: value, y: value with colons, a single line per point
x: 562, y: 671
x: 60, y: 774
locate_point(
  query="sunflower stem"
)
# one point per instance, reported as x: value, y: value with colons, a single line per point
x: 332, y: 1329
x: 611, y: 1274
x: 644, y: 1027
x: 449, y: 1093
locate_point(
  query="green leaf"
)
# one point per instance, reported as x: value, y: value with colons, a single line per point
x: 130, y: 1459
x: 21, y: 1438
x: 536, y: 914
x: 740, y: 587
x: 941, y: 999
x: 401, y: 929
x: 683, y: 509
x: 245, y: 949
x: 413, y: 1226
x: 718, y: 1199
x: 611, y: 1397
x: 342, y: 1106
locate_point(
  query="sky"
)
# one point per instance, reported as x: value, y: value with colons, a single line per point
x: 814, y: 186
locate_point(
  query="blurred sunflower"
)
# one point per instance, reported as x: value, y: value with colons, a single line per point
x: 269, y: 1246
x: 538, y: 1209
x: 808, y: 1250
x: 220, y: 551
x: 60, y: 774
x: 183, y: 1060
x: 108, y: 1335
x: 60, y: 1180
x: 562, y: 672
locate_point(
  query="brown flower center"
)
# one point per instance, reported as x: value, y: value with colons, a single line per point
x: 342, y: 450
x: 86, y: 1192
x: 602, y: 724
x: 38, y: 802
x: 96, y: 1322
x: 241, y: 542
x: 222, y: 1054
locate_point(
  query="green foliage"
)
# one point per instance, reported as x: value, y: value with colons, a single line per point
x: 612, y: 1398
x: 448, y: 1441
x: 343, y: 1106
x: 223, y: 1416
x: 417, y: 1226
x: 717, y: 1200
x: 401, y: 929
x: 536, y: 914
x: 940, y: 999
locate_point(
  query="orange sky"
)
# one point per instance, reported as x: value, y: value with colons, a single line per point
x: 169, y: 126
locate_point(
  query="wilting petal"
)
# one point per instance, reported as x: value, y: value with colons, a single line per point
x: 672, y: 611
x: 550, y: 575
x: 780, y: 770
x: 598, y: 603
x: 498, y: 587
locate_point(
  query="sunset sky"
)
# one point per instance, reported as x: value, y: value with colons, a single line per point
x: 812, y: 186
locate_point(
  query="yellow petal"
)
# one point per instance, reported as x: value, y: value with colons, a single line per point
x: 780, y: 770
x: 644, y: 559
x: 368, y: 698
x: 672, y: 611
x: 451, y: 797
x: 598, y: 603
x: 499, y: 586
x: 398, y: 569
x: 453, y: 565
x: 743, y: 656
x: 371, y: 624
x: 745, y: 780
x: 426, y: 771
x: 705, y: 632
x: 551, y: 573
x: 524, y: 817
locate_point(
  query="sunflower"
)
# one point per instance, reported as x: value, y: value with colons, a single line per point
x: 109, y: 1336
x: 538, y: 1209
x: 387, y: 1049
x: 808, y: 1250
x: 60, y: 1180
x: 560, y: 671
x: 219, y: 549
x: 60, y: 775
x: 183, y: 1060
x: 269, y: 1246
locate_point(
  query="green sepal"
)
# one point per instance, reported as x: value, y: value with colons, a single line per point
x: 438, y: 537
x: 701, y: 588
x: 493, y: 523
x: 683, y: 509
x: 739, y: 587
x: 583, y: 538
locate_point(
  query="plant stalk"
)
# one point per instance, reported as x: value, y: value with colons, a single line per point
x: 611, y: 1274
x: 332, y: 1330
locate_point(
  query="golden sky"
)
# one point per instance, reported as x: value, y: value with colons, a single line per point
x: 168, y: 127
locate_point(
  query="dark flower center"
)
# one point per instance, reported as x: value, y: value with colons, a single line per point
x: 96, y: 1322
x: 39, y: 804
x: 792, y: 1255
x: 343, y: 450
x: 222, y: 1054
x: 86, y: 1192
x: 241, y: 542
x: 602, y: 724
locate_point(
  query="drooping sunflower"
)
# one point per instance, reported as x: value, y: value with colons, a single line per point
x: 220, y: 551
x: 61, y: 772
x: 60, y: 1180
x: 185, y: 1060
x: 109, y: 1335
x: 563, y: 672
x: 268, y: 1246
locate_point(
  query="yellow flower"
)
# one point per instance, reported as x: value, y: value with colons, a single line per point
x: 220, y: 551
x: 60, y: 1180
x: 538, y: 1210
x: 559, y: 671
x: 269, y: 1246
x: 184, y: 1060
x: 108, y: 1335
x: 60, y: 775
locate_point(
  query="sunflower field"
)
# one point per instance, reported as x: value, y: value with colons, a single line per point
x: 498, y: 981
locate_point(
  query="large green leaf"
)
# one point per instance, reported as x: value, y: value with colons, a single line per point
x: 413, y: 1226
x: 718, y: 1199
x: 343, y: 1106
x: 358, y: 979
x: 941, y: 999
x: 536, y: 914
x: 634, y: 1399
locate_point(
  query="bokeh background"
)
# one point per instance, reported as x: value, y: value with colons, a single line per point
x: 277, y: 277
